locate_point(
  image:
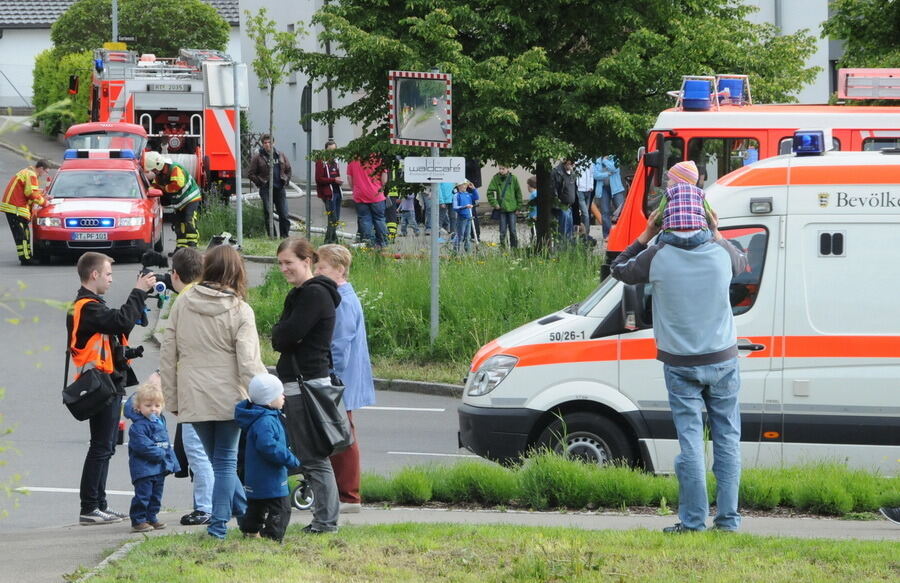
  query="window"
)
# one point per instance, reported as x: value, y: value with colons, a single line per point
x: 716, y: 157
x: 874, y: 144
x: 745, y: 286
x: 95, y: 184
x: 786, y: 146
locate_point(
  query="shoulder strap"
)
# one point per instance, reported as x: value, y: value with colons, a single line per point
x: 504, y: 187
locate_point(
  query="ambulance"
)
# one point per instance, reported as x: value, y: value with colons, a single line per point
x: 817, y: 315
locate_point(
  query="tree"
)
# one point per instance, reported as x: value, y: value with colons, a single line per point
x: 160, y: 27
x: 870, y: 30
x: 274, y: 52
x: 535, y: 82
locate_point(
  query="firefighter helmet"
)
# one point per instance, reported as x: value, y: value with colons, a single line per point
x: 154, y: 161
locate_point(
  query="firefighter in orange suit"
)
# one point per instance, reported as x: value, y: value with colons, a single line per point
x: 23, y: 191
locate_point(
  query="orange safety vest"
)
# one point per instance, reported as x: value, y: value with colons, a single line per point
x: 97, y: 351
x: 22, y: 191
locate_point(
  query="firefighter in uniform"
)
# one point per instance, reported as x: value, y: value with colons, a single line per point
x: 23, y: 191
x: 183, y: 192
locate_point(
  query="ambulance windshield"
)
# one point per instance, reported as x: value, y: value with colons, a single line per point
x: 584, y: 307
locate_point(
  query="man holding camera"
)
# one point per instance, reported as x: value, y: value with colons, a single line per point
x: 98, y: 338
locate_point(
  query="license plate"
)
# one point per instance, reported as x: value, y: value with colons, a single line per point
x: 90, y: 236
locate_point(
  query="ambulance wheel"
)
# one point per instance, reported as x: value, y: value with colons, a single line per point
x: 590, y: 437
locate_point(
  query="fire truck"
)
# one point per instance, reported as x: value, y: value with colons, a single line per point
x: 170, y: 99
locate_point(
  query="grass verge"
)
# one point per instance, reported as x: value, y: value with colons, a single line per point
x: 548, y: 480
x: 518, y: 554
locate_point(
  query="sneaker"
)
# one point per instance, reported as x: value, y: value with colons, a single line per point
x: 678, y: 528
x: 97, y: 516
x: 141, y: 527
x: 892, y: 514
x: 121, y: 515
x: 310, y: 529
x: 158, y: 525
x: 195, y: 518
x: 351, y: 507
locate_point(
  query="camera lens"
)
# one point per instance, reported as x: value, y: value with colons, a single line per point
x: 159, y: 287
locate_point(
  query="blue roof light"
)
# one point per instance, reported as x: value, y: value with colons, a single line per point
x: 71, y: 154
x: 809, y: 142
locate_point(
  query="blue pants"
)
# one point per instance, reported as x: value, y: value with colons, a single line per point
x: 407, y: 219
x: 333, y: 215
x: 690, y: 388
x: 371, y: 218
x: 508, y: 223
x: 199, y: 464
x: 564, y: 224
x: 609, y: 204
x: 220, y: 440
x: 147, y: 499
x: 463, y: 233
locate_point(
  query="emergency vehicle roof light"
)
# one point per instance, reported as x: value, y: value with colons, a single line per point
x: 809, y: 142
x: 72, y: 154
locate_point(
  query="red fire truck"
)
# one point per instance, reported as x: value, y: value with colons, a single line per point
x: 170, y: 99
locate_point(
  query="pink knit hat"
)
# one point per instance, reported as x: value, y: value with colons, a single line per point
x: 684, y: 172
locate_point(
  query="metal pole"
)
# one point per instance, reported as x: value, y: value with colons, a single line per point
x: 237, y: 158
x: 435, y: 255
x: 309, y: 172
x: 115, y: 20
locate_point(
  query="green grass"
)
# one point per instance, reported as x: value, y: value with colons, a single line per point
x: 216, y: 217
x: 550, y: 481
x: 516, y: 554
x: 482, y: 297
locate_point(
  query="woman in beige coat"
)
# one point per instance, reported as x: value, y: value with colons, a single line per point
x: 209, y: 353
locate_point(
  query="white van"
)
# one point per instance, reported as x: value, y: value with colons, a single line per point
x: 818, y: 323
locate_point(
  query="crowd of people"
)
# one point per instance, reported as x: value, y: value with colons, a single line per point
x: 212, y: 379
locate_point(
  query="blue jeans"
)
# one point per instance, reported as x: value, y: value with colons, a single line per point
x: 609, y: 204
x: 508, y: 223
x: 220, y: 440
x: 333, y: 215
x: 199, y: 463
x: 371, y: 215
x: 463, y: 233
x: 147, y: 499
x: 407, y: 219
x: 427, y: 210
x: 584, y: 199
x: 690, y: 388
x: 564, y: 224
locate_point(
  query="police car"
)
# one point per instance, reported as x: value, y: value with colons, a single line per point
x: 99, y: 201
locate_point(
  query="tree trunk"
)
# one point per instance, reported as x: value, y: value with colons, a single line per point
x: 546, y: 196
x: 269, y: 195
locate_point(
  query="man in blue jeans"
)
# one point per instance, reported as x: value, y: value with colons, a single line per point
x: 366, y: 180
x: 695, y: 339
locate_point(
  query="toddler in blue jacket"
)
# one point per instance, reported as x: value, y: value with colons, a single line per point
x: 266, y: 459
x: 150, y: 455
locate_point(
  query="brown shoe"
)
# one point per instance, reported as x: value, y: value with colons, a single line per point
x: 158, y: 525
x: 252, y: 535
x: 142, y: 527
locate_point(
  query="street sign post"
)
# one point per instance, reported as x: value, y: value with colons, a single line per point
x: 432, y: 170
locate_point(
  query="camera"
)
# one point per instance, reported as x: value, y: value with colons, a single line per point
x: 122, y: 354
x: 149, y: 260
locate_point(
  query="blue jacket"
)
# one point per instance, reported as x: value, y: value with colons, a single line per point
x: 604, y: 168
x: 350, y: 351
x: 460, y: 200
x: 149, y: 450
x: 266, y: 455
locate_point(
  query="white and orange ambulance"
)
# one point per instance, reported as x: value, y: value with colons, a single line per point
x: 818, y: 322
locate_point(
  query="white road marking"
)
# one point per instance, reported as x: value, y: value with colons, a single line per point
x: 431, y: 454
x: 419, y: 409
x: 24, y: 489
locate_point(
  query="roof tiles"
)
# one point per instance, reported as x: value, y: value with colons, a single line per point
x: 43, y: 13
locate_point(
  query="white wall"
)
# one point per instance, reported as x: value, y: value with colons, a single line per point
x: 794, y: 15
x: 289, y: 135
x: 18, y: 48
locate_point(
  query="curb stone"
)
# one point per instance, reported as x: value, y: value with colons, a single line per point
x: 420, y: 387
x: 119, y: 554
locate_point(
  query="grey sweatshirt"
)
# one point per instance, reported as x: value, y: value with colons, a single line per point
x: 692, y: 319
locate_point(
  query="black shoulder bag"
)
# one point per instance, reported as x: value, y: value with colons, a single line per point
x: 324, y: 429
x: 89, y: 393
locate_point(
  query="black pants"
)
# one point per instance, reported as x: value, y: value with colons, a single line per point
x: 280, y: 200
x: 267, y: 516
x: 21, y: 235
x: 104, y: 431
x: 185, y: 218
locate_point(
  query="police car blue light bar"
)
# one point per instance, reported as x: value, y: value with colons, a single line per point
x: 71, y: 154
x: 809, y: 142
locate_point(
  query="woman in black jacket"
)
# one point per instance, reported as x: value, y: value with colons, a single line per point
x: 303, y: 337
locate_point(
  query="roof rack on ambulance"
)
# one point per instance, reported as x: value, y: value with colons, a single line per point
x: 869, y: 84
x: 703, y: 92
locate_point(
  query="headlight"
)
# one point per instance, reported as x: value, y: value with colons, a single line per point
x: 49, y: 222
x: 131, y: 221
x: 491, y: 373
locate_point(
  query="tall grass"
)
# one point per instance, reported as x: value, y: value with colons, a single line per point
x: 216, y: 217
x: 482, y: 297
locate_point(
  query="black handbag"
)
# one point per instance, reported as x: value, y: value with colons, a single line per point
x: 89, y: 393
x: 324, y: 429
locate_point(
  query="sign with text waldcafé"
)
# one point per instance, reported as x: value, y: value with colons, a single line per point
x: 433, y: 169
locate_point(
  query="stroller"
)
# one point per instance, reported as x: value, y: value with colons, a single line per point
x: 302, y: 497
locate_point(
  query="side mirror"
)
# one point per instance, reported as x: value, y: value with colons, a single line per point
x: 154, y: 193
x: 635, y: 315
x: 652, y: 159
x: 73, y: 84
